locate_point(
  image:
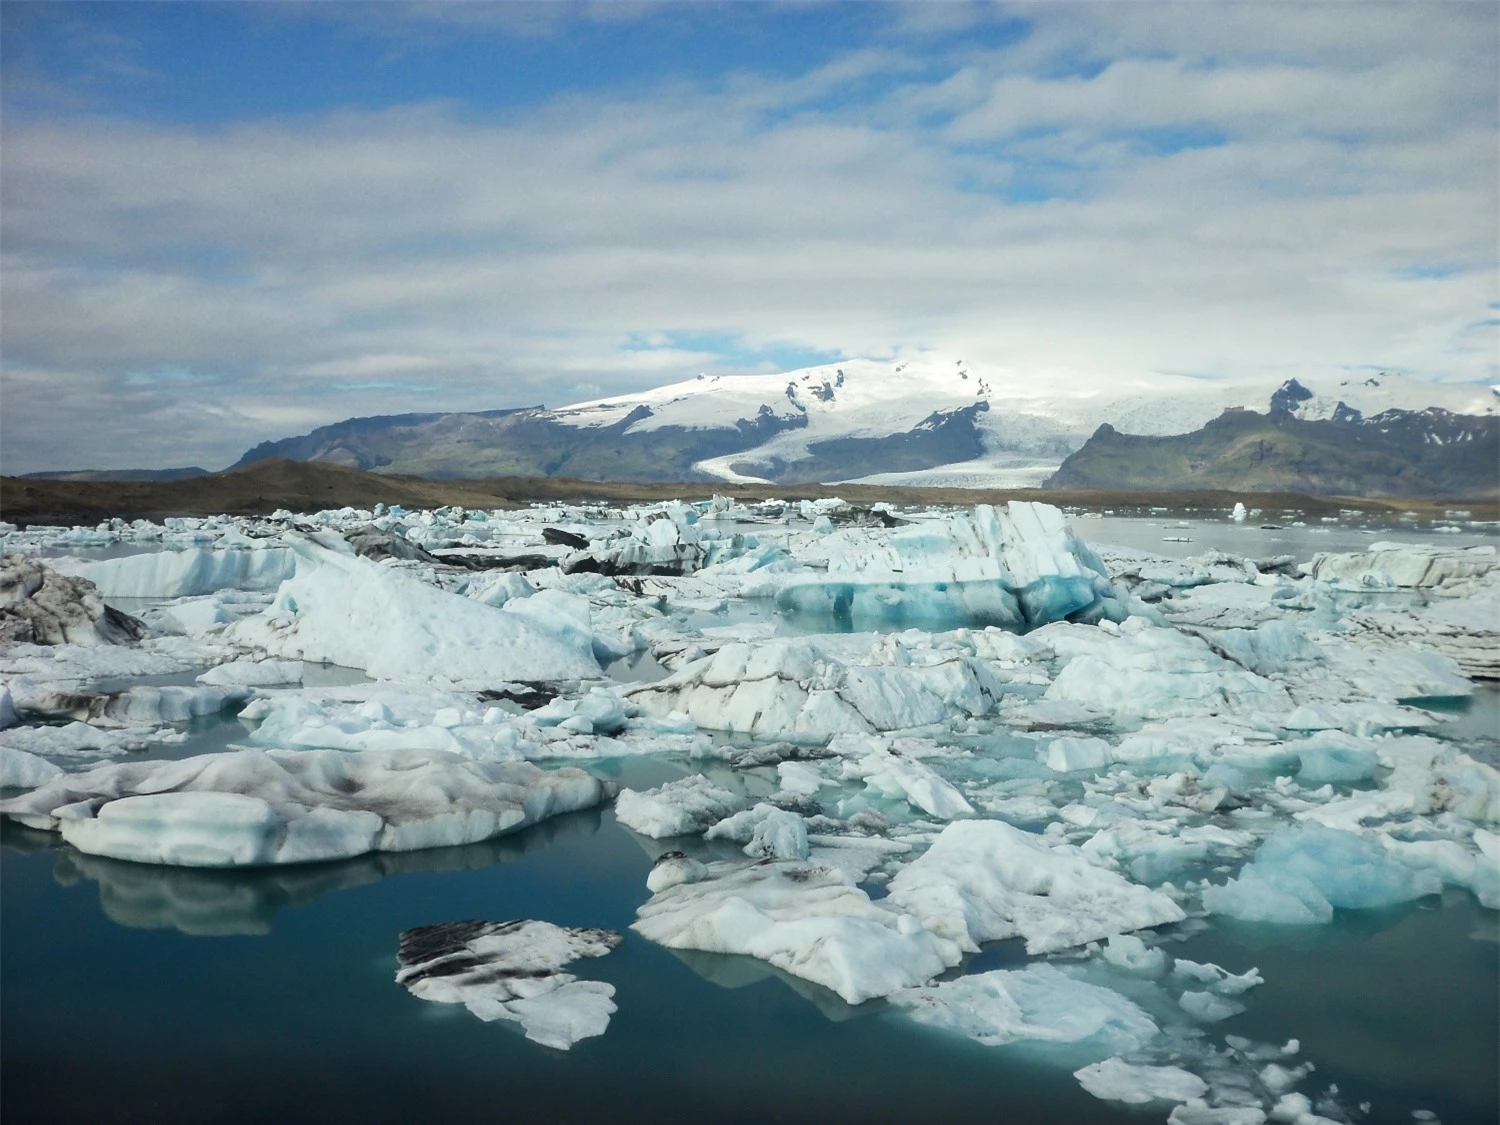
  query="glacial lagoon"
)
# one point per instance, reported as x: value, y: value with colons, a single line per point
x: 139, y: 991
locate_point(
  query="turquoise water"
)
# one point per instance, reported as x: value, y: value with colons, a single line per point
x: 136, y: 993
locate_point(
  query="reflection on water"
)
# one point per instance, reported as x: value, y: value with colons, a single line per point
x: 219, y: 903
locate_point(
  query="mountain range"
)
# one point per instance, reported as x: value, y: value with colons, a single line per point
x: 945, y: 423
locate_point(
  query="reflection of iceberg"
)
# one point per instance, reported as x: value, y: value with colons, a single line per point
x: 731, y: 971
x: 221, y: 903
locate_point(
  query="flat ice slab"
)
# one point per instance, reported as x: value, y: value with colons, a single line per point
x: 259, y: 807
x: 512, y: 971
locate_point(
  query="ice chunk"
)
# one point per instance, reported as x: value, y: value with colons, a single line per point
x: 1208, y: 1007
x: 1331, y: 756
x: 255, y: 807
x: 1116, y: 1080
x: 20, y: 770
x: 816, y: 687
x: 1300, y: 875
x: 512, y: 971
x: 1039, y: 1003
x: 39, y: 605
x: 1217, y: 1115
x: 1128, y: 952
x: 766, y: 831
x: 804, y: 919
x: 892, y: 774
x: 677, y: 808
x: 1065, y: 755
x: 254, y: 673
x: 983, y: 880
x: 1015, y: 568
x: 180, y: 574
x: 346, y: 610
x: 1389, y: 565
x: 672, y: 868
x: 1153, y: 672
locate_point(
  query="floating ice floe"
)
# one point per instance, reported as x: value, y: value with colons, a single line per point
x: 1151, y: 672
x: 1039, y: 1003
x: 1300, y: 875
x: 984, y: 880
x: 512, y: 971
x: 1116, y: 1080
x: 342, y: 609
x: 804, y: 919
x: 676, y: 808
x: 257, y: 807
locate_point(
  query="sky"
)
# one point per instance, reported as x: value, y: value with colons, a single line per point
x: 226, y: 223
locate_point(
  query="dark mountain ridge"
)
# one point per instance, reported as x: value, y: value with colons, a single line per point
x: 1397, y: 453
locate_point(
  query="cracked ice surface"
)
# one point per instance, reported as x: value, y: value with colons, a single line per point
x: 1085, y: 751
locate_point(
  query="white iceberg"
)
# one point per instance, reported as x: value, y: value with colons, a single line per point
x: 984, y: 880
x: 346, y: 610
x: 261, y: 807
x: 804, y: 919
x: 1039, y: 1003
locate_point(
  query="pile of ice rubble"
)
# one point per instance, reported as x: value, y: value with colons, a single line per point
x: 902, y: 740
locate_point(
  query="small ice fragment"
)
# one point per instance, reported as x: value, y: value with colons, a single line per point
x: 1116, y: 1080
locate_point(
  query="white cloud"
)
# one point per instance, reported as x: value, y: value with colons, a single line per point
x: 320, y: 266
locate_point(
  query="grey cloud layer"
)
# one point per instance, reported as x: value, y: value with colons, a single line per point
x: 302, y: 270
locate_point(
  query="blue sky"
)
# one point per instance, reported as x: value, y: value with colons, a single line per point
x: 230, y: 222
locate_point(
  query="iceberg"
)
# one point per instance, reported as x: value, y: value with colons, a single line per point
x: 1300, y: 875
x: 512, y: 971
x: 677, y: 808
x: 1040, y: 1003
x: 346, y: 610
x: 181, y: 574
x: 261, y: 807
x: 1015, y: 568
x: 984, y: 880
x: 804, y: 919
x: 1116, y: 1080
x: 39, y: 604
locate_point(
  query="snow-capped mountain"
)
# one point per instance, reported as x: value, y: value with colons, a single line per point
x: 926, y: 421
x: 1024, y: 432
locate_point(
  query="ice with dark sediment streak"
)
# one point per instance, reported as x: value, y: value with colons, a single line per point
x: 259, y: 807
x: 512, y: 971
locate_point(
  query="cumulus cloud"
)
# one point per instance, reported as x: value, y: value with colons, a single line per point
x: 1231, y: 191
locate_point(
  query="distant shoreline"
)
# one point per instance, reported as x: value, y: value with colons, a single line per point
x: 312, y: 486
